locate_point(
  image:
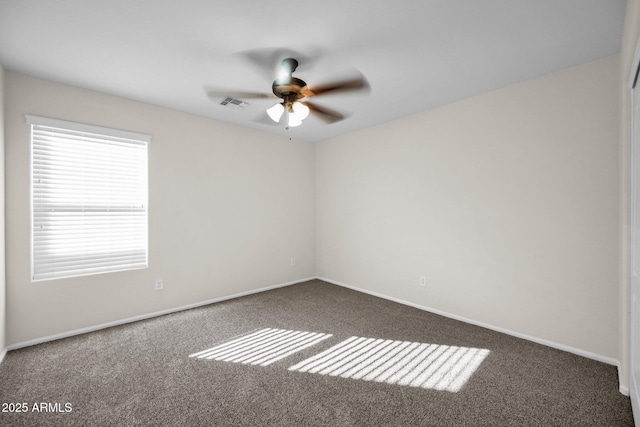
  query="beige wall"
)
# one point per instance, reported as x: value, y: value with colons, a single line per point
x: 629, y: 42
x: 229, y: 207
x: 2, y: 251
x: 507, y: 202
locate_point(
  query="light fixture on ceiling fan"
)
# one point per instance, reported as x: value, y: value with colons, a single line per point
x: 296, y: 113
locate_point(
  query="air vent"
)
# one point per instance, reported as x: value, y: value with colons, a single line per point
x: 236, y: 104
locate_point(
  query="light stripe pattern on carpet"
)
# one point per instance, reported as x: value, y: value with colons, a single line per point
x: 262, y: 347
x: 429, y: 366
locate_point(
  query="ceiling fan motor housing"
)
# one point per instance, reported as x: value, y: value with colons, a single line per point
x: 289, y: 90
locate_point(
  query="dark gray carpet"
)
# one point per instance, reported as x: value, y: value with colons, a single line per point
x: 141, y: 373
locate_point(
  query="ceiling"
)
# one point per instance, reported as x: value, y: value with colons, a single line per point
x: 416, y: 54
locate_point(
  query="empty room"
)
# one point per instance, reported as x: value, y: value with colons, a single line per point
x: 356, y: 213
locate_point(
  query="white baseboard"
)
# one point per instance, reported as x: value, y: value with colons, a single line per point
x: 147, y: 316
x: 552, y: 344
x: 579, y: 352
x: 635, y: 400
x: 621, y: 388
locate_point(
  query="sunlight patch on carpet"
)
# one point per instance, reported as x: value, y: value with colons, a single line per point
x: 429, y: 366
x: 263, y: 347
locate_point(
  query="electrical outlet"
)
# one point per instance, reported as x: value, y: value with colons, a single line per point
x: 159, y: 285
x: 423, y: 281
x: 293, y: 262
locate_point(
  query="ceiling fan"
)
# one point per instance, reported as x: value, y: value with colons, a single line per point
x: 294, y: 94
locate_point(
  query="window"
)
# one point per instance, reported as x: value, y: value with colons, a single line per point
x: 89, y: 199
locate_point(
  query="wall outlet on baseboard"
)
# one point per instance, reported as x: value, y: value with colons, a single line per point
x: 158, y: 285
x: 423, y: 281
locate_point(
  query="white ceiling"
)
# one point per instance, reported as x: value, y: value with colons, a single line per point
x: 416, y: 54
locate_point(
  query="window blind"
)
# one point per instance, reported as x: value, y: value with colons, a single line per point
x: 89, y: 199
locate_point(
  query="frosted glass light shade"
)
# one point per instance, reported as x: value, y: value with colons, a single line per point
x: 294, y: 121
x: 300, y: 111
x: 275, y: 112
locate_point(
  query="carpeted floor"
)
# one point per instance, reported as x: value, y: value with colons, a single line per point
x: 306, y: 355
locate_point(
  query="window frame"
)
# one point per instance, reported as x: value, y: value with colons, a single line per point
x: 88, y: 131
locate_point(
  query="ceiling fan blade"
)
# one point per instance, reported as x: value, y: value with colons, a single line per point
x: 221, y: 94
x: 325, y: 114
x: 349, y: 85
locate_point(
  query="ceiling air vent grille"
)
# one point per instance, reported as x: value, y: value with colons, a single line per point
x: 236, y: 104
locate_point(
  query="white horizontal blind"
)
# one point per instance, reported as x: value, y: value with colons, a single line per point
x: 89, y: 199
